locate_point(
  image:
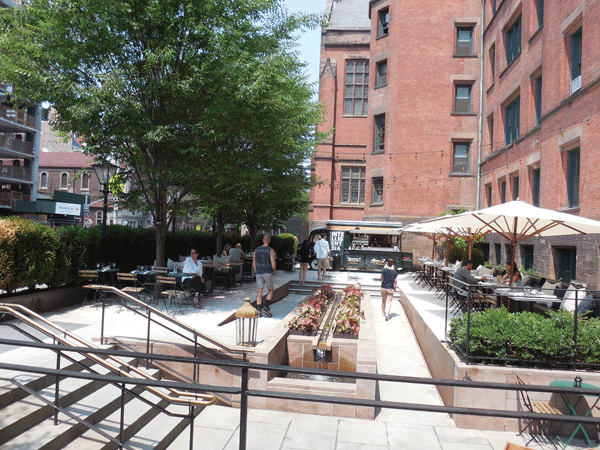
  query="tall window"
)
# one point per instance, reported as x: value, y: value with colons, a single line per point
x: 488, y: 194
x: 384, y: 21
x: 379, y: 133
x: 356, y: 88
x: 85, y: 182
x: 538, y: 99
x: 493, y: 62
x: 381, y: 73
x: 573, y: 178
x: 527, y: 256
x: 353, y: 185
x: 98, y: 217
x: 513, y: 41
x: 511, y: 121
x: 460, y: 162
x: 64, y: 181
x: 43, y: 180
x: 462, y: 100
x: 515, y: 188
x: 491, y: 133
x: 566, y: 264
x: 503, y: 191
x: 464, y: 41
x: 494, y: 9
x: 378, y: 190
x: 576, y: 61
x: 540, y: 13
x: 535, y: 187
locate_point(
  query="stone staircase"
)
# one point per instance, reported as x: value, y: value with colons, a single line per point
x: 90, y: 413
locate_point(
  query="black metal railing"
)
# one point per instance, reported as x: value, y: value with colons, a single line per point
x: 245, y: 392
x: 465, y: 298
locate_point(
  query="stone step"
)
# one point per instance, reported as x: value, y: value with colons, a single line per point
x: 27, y: 411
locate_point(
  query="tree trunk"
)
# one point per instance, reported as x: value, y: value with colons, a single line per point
x: 251, y: 224
x: 220, y: 228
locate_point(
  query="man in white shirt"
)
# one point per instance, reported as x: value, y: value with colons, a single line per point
x: 323, y: 253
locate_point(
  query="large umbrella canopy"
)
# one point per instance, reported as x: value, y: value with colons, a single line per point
x: 517, y: 221
x: 435, y: 232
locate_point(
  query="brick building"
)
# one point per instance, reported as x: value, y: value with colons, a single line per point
x: 459, y: 116
x: 541, y: 111
x: 404, y: 141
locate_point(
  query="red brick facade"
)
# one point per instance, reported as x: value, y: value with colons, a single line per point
x: 404, y: 143
x: 417, y: 144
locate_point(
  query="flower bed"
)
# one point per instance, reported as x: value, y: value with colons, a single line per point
x: 311, y: 311
x: 347, y: 319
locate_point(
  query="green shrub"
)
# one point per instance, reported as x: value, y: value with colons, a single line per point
x: 455, y: 254
x: 528, y: 337
x: 476, y: 257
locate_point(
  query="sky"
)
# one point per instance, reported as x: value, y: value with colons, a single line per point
x: 309, y: 42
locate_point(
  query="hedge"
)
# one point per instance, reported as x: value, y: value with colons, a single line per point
x: 33, y: 254
x: 528, y: 337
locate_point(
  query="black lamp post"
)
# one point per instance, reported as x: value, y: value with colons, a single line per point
x: 105, y: 171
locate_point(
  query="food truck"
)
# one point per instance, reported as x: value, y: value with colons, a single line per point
x: 362, y: 245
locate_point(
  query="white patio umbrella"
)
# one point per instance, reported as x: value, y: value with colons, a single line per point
x: 435, y: 232
x: 517, y: 221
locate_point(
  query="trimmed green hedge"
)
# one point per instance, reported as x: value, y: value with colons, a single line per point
x: 32, y: 253
x: 528, y: 337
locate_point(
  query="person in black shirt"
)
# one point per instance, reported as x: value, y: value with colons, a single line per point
x: 389, y: 281
x: 304, y: 255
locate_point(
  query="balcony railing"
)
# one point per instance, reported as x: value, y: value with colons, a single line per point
x: 15, y: 173
x: 16, y: 145
x: 7, y: 197
x: 18, y: 116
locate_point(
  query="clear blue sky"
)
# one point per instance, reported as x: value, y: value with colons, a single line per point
x: 309, y: 42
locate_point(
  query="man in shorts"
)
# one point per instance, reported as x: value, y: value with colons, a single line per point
x: 323, y: 252
x: 263, y: 263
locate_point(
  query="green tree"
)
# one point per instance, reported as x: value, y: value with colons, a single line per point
x: 149, y: 83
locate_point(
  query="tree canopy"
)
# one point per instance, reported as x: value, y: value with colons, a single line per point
x: 202, y: 97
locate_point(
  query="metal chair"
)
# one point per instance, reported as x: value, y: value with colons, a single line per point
x: 129, y: 283
x: 539, y: 408
x: 176, y: 295
x: 92, y: 278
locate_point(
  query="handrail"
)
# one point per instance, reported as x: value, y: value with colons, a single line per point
x: 206, y: 399
x: 170, y: 319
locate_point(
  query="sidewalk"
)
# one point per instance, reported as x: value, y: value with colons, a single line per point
x: 217, y: 427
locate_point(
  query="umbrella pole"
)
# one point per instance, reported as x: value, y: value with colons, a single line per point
x: 433, y: 249
x: 470, y: 242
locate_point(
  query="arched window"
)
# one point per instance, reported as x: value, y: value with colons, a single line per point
x: 64, y: 181
x: 99, y: 218
x: 85, y: 182
x: 44, y: 180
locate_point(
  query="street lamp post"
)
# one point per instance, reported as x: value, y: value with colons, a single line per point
x: 105, y: 171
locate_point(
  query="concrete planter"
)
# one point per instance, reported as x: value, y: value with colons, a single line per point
x: 42, y: 300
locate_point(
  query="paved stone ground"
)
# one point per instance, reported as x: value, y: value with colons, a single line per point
x: 217, y: 427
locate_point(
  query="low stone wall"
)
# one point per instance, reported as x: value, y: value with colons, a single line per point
x: 273, y: 350
x: 443, y: 363
x: 42, y: 300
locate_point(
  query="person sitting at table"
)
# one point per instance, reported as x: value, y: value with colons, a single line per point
x: 516, y: 275
x: 192, y: 269
x: 226, y: 250
x: 236, y: 254
x: 464, y: 276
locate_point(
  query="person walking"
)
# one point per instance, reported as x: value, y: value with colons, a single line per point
x: 304, y: 255
x: 264, y: 266
x: 389, y: 282
x: 323, y: 253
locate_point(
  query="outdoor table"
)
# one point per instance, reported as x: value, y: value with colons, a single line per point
x: 107, y: 275
x: 572, y: 407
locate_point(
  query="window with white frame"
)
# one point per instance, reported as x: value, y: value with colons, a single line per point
x: 85, y: 182
x: 44, y: 180
x: 353, y: 185
x: 64, y: 181
x: 356, y: 88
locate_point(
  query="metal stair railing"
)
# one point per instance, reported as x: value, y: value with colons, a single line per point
x: 70, y: 339
x: 196, y: 335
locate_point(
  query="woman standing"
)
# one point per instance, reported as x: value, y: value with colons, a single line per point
x: 304, y: 255
x: 193, y: 269
x: 388, y: 286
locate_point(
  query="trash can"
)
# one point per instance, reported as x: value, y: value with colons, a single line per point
x: 337, y: 263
